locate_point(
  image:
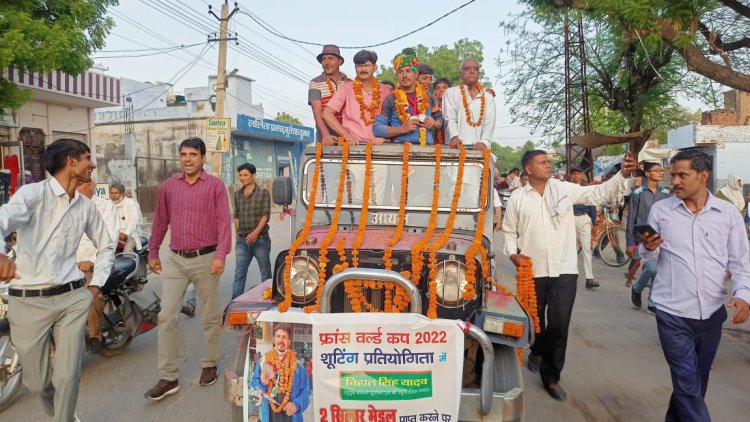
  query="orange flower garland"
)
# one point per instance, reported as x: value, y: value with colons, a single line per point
x: 286, y: 368
x: 402, y: 299
x: 526, y: 291
x: 476, y: 246
x: 466, y: 105
x: 287, y: 302
x: 417, y: 260
x: 323, y: 253
x: 374, y: 106
x: 355, y: 286
x: 402, y: 108
x: 440, y: 241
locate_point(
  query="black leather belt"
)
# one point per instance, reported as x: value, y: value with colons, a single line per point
x: 260, y: 236
x: 49, y: 291
x: 578, y: 214
x: 196, y: 253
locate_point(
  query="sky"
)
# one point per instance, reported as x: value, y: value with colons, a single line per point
x: 143, y: 24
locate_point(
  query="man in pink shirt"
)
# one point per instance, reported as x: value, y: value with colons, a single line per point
x: 196, y: 206
x: 354, y: 100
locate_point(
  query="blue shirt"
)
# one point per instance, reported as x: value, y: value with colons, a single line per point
x: 300, y: 395
x: 389, y: 117
x: 697, y: 253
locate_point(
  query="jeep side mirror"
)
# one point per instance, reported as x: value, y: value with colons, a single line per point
x: 281, y: 191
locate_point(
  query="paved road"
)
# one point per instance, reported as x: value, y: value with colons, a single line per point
x: 614, y: 372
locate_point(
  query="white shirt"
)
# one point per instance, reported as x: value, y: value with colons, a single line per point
x: 108, y: 212
x: 515, y: 183
x: 130, y: 219
x: 697, y: 253
x: 496, y: 199
x: 455, y: 116
x: 528, y: 227
x: 49, y: 226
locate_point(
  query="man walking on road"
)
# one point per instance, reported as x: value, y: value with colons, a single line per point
x: 585, y: 219
x: 252, y: 211
x: 195, y: 205
x: 699, y: 242
x: 539, y: 224
x: 641, y: 201
x: 46, y: 301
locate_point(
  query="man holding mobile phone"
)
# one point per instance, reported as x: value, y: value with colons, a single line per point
x: 700, y: 240
x: 640, y: 204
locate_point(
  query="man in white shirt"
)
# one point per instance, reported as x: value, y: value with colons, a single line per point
x: 469, y: 111
x: 46, y: 299
x: 514, y: 179
x: 130, y: 217
x: 539, y: 224
x: 86, y: 255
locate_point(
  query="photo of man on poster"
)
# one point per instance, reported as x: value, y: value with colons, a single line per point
x: 281, y: 381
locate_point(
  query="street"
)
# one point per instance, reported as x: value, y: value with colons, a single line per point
x: 615, y: 370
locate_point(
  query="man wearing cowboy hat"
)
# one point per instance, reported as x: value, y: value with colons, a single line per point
x: 322, y: 88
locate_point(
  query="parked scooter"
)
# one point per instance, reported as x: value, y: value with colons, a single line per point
x: 124, y: 318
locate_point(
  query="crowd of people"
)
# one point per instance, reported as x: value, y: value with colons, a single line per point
x: 76, y: 234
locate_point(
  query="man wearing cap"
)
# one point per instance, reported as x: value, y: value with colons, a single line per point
x: 322, y: 89
x: 407, y: 112
x: 358, y: 101
x: 425, y: 76
x: 468, y: 110
x: 130, y: 217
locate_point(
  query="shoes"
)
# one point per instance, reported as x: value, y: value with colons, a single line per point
x: 534, y: 362
x: 591, y: 283
x: 635, y: 299
x: 651, y: 309
x: 188, y: 309
x: 94, y: 345
x: 162, y: 389
x: 208, y: 376
x: 556, y: 391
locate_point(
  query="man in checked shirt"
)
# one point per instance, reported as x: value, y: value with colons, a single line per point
x: 196, y: 207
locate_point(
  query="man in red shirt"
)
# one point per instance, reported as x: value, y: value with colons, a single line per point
x: 196, y: 206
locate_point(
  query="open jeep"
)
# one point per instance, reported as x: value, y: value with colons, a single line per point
x: 424, y: 233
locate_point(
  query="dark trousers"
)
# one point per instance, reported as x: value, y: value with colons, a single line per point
x: 689, y: 346
x: 555, y: 297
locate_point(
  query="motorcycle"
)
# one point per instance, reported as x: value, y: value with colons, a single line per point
x: 126, y: 315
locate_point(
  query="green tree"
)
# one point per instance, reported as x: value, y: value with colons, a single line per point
x: 711, y: 36
x: 41, y: 36
x: 509, y: 157
x: 632, y: 84
x: 445, y: 61
x: 285, y: 117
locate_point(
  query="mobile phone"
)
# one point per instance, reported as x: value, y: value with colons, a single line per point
x: 645, y: 230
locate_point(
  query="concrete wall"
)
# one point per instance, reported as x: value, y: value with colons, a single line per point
x: 682, y: 137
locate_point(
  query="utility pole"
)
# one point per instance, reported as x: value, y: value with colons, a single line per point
x: 577, y: 119
x: 221, y: 74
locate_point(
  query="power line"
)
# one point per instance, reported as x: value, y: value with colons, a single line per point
x: 153, y: 53
x: 280, y: 35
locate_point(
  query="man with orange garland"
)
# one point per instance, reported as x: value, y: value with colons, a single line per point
x: 322, y: 88
x: 468, y: 110
x: 407, y: 112
x: 279, y: 400
x: 424, y: 75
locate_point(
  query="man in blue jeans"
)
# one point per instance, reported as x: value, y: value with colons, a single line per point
x: 252, y: 211
x: 641, y: 201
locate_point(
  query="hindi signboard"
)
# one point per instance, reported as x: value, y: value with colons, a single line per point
x: 218, y: 134
x: 365, y: 367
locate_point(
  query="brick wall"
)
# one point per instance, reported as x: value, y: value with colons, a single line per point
x: 719, y: 118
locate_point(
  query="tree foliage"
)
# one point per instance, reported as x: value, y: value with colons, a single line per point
x: 285, y: 117
x: 632, y: 83
x: 712, y: 36
x: 41, y: 36
x: 509, y: 157
x: 445, y: 61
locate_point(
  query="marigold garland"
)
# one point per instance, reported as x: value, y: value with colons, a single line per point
x: 286, y: 369
x: 526, y: 291
x: 401, y: 299
x: 287, y: 302
x: 443, y: 239
x: 355, y: 293
x: 476, y: 245
x: 374, y: 108
x: 323, y: 252
x: 333, y: 88
x: 402, y: 108
x: 417, y: 259
x: 466, y: 105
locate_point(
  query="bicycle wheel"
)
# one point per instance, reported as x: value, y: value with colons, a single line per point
x: 611, y: 248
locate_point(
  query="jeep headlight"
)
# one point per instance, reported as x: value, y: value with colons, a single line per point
x: 451, y: 283
x: 303, y: 278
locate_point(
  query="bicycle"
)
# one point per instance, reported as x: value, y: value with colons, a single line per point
x: 608, y: 243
